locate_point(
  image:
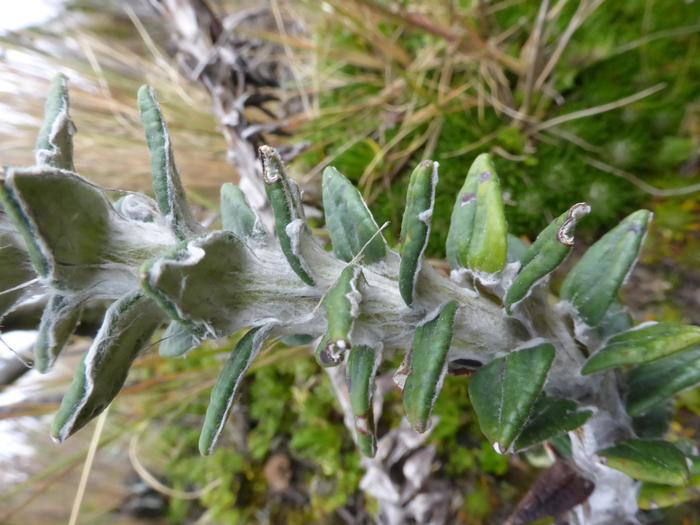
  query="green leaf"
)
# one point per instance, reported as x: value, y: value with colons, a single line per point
x: 177, y: 340
x: 167, y: 186
x: 617, y: 319
x: 224, y: 391
x: 658, y: 496
x: 656, y: 421
x: 427, y: 365
x: 58, y: 322
x: 54, y: 146
x: 550, y: 418
x: 653, y: 383
x: 642, y: 344
x: 349, y: 221
x: 592, y: 285
x: 477, y: 238
x: 504, y: 392
x: 127, y: 327
x: 415, y: 227
x: 342, y: 305
x: 546, y: 254
x: 237, y: 215
x: 648, y: 460
x: 289, y: 217
x: 362, y: 367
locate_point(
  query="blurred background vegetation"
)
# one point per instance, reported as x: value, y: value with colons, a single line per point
x: 578, y: 100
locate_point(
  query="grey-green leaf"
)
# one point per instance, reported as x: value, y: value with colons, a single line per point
x: 546, y: 254
x: 237, y: 215
x: 415, y: 227
x: 516, y: 249
x: 177, y: 340
x: 648, y: 460
x: 58, y: 322
x: 503, y: 392
x: 54, y: 146
x: 224, y: 391
x: 208, y: 284
x: 351, y: 225
x: 91, y: 250
x: 167, y: 186
x: 550, y: 418
x: 16, y: 274
x: 643, y: 344
x: 290, y: 225
x: 127, y: 327
x: 653, y: 383
x: 592, y: 285
x: 363, y: 362
x: 477, y: 238
x: 427, y: 365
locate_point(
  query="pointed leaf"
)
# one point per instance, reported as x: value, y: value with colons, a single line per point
x: 54, y: 146
x: 58, y: 322
x: 127, y: 327
x: 592, y: 285
x: 648, y: 460
x: 167, y: 186
x: 237, y: 215
x: 224, y: 391
x: 286, y: 205
x: 642, y: 344
x: 550, y: 418
x: 342, y: 305
x: 477, y: 238
x: 363, y: 362
x: 415, y: 228
x: 546, y: 254
x: 653, y: 383
x: 177, y: 340
x: 427, y: 365
x: 349, y: 221
x: 504, y: 392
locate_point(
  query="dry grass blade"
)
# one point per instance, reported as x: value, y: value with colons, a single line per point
x: 583, y: 11
x: 87, y: 467
x: 596, y: 110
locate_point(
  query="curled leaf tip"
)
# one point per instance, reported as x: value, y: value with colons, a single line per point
x: 566, y: 231
x: 272, y: 164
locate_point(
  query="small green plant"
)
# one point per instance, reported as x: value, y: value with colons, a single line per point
x: 577, y: 376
